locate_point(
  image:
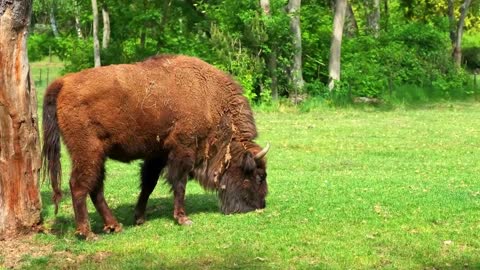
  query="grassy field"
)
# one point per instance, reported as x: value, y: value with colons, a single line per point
x: 349, y: 189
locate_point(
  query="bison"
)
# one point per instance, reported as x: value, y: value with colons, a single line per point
x: 174, y: 112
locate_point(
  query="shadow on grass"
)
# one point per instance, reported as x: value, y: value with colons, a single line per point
x: 157, y: 208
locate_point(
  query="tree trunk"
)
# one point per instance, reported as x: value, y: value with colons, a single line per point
x: 451, y: 20
x: 96, y: 43
x: 373, y: 17
x: 335, y: 48
x: 351, y: 26
x: 386, y: 15
x: 53, y: 21
x: 272, y: 56
x: 20, y: 202
x: 297, y: 77
x: 165, y: 14
x: 106, y: 27
x: 78, y: 26
x: 457, y: 50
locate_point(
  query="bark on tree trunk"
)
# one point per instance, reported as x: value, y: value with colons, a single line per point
x: 20, y: 202
x: 457, y: 50
x: 451, y: 20
x: 78, y: 26
x: 351, y: 26
x: 335, y: 48
x: 297, y: 76
x: 386, y: 15
x: 373, y: 17
x: 53, y: 21
x: 106, y: 27
x: 165, y: 14
x: 272, y: 56
x: 96, y: 43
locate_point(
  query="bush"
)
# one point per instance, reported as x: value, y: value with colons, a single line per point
x: 411, y: 56
x: 471, y: 57
x: 39, y: 46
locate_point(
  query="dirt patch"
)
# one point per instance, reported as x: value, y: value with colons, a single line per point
x: 12, y: 251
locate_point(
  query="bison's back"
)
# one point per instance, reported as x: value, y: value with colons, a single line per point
x: 143, y: 109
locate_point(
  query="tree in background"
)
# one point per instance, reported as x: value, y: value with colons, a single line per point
x: 336, y: 44
x: 351, y: 26
x: 272, y: 55
x: 78, y: 26
x: 20, y: 202
x: 297, y: 72
x: 106, y: 26
x: 53, y: 21
x: 456, y: 31
x: 96, y: 43
x: 373, y: 17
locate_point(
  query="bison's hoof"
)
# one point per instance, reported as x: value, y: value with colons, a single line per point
x: 139, y: 221
x: 113, y: 228
x: 185, y: 221
x: 89, y: 236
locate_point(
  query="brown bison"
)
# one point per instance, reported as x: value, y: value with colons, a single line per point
x: 174, y: 112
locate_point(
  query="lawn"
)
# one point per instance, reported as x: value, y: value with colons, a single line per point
x: 349, y: 188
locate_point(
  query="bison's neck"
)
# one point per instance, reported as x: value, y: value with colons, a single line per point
x: 240, y: 114
x: 235, y: 127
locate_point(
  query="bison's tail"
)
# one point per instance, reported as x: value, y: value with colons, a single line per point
x: 51, y: 141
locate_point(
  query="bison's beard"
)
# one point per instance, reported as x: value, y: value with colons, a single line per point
x: 233, y: 200
x: 233, y: 203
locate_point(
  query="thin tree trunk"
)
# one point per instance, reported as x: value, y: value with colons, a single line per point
x: 53, y: 21
x: 336, y: 45
x: 78, y: 25
x: 457, y: 50
x: 451, y: 20
x: 106, y: 27
x: 297, y: 77
x: 272, y: 56
x: 386, y: 15
x: 96, y: 43
x: 165, y: 14
x: 20, y: 202
x: 351, y: 26
x: 373, y: 17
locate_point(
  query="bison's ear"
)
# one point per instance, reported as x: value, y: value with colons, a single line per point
x: 248, y: 162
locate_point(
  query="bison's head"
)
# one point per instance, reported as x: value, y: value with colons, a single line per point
x: 244, y: 184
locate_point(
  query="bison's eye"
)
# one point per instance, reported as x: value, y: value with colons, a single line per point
x: 260, y: 178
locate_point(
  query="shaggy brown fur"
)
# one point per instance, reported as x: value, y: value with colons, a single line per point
x: 171, y: 111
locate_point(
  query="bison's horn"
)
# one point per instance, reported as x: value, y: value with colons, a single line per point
x: 262, y: 153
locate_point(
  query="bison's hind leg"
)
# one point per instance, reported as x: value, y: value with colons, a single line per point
x: 88, y: 173
x: 110, y: 222
x: 151, y: 169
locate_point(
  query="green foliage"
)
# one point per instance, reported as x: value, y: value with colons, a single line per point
x: 77, y: 53
x: 413, y: 54
x: 471, y: 51
x: 412, y: 51
x: 471, y: 57
x: 40, y: 46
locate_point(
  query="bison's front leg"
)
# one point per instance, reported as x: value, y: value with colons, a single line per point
x: 180, y: 163
x: 151, y: 169
x: 179, y: 202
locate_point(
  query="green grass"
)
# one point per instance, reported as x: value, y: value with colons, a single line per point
x: 349, y: 189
